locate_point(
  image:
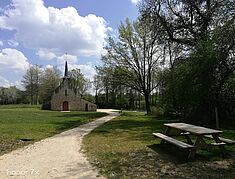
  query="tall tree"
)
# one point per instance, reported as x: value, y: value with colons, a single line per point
x: 136, y: 55
x: 49, y: 81
x: 204, y: 31
x: 79, y: 82
x: 31, y: 82
x: 187, y: 22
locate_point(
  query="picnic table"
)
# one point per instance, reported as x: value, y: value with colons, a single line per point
x: 200, y: 134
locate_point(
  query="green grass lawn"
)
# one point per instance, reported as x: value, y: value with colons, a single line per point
x: 125, y: 148
x: 24, y: 124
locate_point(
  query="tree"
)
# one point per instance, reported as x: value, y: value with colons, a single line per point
x: 97, y: 86
x: 187, y: 22
x: 110, y: 91
x: 31, y: 82
x: 49, y: 81
x: 79, y: 82
x: 8, y: 95
x: 135, y: 54
x: 204, y: 33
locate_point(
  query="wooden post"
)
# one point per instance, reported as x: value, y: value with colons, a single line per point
x: 216, y: 118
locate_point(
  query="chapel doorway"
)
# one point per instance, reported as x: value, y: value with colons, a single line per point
x: 65, y: 106
x: 86, y: 108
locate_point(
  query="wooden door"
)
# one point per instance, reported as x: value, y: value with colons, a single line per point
x: 65, y: 106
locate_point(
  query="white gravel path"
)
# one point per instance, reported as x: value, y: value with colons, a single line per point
x: 59, y: 156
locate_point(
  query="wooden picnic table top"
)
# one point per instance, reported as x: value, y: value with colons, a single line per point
x: 193, y: 129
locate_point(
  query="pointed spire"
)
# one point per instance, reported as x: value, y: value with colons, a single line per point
x: 66, y: 73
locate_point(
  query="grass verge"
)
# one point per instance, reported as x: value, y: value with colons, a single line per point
x: 125, y: 148
x: 21, y: 125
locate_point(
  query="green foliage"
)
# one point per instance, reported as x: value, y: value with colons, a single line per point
x: 9, y: 95
x: 49, y: 81
x: 199, y: 42
x: 110, y: 90
x: 89, y: 97
x: 157, y: 111
x: 31, y: 82
x: 79, y: 82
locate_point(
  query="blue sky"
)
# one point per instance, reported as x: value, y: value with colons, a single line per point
x: 42, y: 31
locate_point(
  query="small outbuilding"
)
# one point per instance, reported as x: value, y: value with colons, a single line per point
x: 65, y: 98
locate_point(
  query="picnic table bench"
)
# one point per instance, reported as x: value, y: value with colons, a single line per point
x: 173, y: 141
x: 199, y: 132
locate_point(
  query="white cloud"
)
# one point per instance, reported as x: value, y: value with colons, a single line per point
x: 13, y: 65
x: 56, y: 30
x: 135, y: 1
x: 1, y: 43
x: 70, y: 58
x: 45, y: 54
x: 49, y: 66
x: 13, y: 43
x: 4, y: 82
x: 87, y: 69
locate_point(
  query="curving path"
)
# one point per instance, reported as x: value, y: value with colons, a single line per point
x: 59, y: 156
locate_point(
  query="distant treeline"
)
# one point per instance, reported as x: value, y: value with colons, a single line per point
x: 12, y: 95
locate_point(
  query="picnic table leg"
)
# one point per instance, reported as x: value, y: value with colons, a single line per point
x: 217, y: 140
x: 167, y: 131
x: 197, y: 146
x: 189, y: 140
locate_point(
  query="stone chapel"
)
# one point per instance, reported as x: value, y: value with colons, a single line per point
x: 65, y: 98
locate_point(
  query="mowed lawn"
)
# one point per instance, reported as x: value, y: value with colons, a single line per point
x: 24, y: 124
x: 125, y: 148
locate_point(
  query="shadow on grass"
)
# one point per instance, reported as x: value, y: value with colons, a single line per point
x: 84, y: 115
x: 139, y: 130
x: 170, y: 153
x: 60, y: 126
x: 77, y: 119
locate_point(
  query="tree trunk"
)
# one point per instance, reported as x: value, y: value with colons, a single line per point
x: 96, y: 97
x: 107, y: 97
x: 31, y: 101
x: 216, y: 118
x: 234, y: 114
x: 147, y: 102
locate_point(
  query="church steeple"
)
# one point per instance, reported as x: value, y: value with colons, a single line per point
x: 66, y: 73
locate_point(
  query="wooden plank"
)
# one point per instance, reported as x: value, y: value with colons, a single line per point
x: 173, y: 141
x: 193, y: 129
x: 218, y: 144
x: 227, y: 141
